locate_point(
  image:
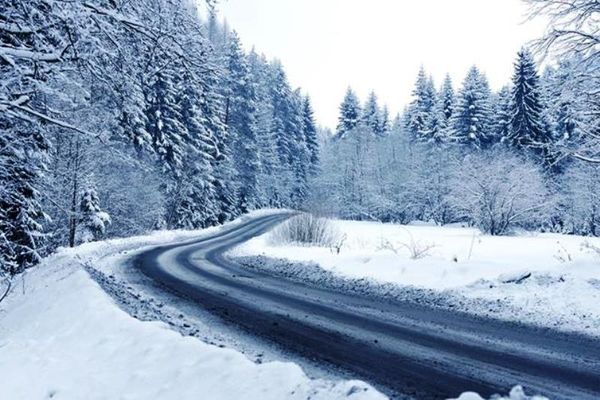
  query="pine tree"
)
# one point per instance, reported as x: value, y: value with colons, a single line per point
x: 195, y: 205
x: 241, y: 120
x: 444, y: 109
x: 438, y: 125
x: 371, y: 115
x: 384, y: 121
x: 164, y: 121
x: 421, y: 109
x: 502, y: 114
x: 300, y: 163
x: 350, y: 113
x: 92, y: 220
x: 527, y: 125
x: 447, y: 98
x: 471, y: 119
x: 287, y: 131
x: 133, y: 121
x: 310, y: 134
x: 565, y: 110
x: 23, y: 155
x: 270, y: 170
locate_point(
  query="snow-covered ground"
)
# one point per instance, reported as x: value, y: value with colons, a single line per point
x: 62, y: 337
x: 517, y: 393
x: 563, y: 290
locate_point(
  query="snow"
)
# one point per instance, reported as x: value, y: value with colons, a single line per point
x: 541, y: 278
x: 62, y: 337
x: 517, y: 393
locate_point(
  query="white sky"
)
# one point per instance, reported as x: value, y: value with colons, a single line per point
x: 327, y: 45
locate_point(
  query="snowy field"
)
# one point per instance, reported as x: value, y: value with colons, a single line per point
x: 58, y: 326
x: 545, y: 279
x: 62, y: 337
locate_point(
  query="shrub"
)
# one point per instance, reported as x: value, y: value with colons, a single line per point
x: 306, y: 229
x: 500, y: 191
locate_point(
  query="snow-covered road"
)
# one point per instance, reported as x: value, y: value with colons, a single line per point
x: 402, y: 346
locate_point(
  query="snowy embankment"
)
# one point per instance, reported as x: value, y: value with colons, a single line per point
x: 62, y: 337
x: 550, y: 280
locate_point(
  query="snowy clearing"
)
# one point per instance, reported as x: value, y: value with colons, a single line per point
x: 58, y: 325
x: 550, y: 280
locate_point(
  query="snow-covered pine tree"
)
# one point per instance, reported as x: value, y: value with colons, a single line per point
x: 471, y: 119
x: 384, y: 121
x: 270, y: 170
x: 92, y: 219
x: 300, y: 163
x: 447, y: 97
x: 502, y: 114
x: 565, y: 109
x: 421, y: 108
x: 371, y: 115
x: 22, y: 164
x: 350, y: 114
x: 164, y: 120
x: 438, y: 125
x: 133, y: 121
x: 281, y: 101
x: 241, y: 121
x: 444, y: 109
x: 196, y: 206
x: 527, y: 126
x: 310, y: 134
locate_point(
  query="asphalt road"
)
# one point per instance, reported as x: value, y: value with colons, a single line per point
x: 400, y: 347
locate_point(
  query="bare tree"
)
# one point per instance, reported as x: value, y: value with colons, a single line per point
x: 573, y: 27
x: 499, y: 192
x: 574, y: 31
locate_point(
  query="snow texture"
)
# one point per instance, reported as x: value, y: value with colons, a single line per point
x: 59, y: 327
x: 517, y: 393
x: 549, y: 280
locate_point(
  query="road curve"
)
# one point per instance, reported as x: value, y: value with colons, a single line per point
x: 400, y: 347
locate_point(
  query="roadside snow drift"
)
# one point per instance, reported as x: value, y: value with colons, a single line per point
x: 62, y: 337
x: 517, y: 393
x: 546, y: 279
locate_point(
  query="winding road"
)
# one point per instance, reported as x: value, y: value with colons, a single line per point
x: 400, y: 347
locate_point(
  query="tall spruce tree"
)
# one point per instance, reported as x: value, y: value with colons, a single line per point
x: 471, y: 119
x: 164, y: 120
x: 447, y: 97
x: 384, y: 121
x: 350, y: 114
x: 300, y: 163
x: 527, y: 126
x: 310, y: 134
x: 502, y: 114
x: 196, y: 203
x: 371, y: 115
x: 23, y: 156
x: 420, y: 111
x: 241, y: 120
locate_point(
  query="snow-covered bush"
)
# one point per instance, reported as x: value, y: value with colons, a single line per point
x: 580, y: 202
x: 417, y: 249
x: 93, y: 220
x: 307, y: 229
x: 499, y: 191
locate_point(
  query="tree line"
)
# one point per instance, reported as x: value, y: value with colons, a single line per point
x: 516, y: 158
x: 121, y: 117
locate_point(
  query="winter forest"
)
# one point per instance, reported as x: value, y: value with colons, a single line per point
x: 122, y: 117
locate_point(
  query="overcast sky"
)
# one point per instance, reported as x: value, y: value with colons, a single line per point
x: 328, y: 45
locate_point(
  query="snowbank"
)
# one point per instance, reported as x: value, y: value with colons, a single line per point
x: 62, y: 337
x: 547, y: 279
x: 517, y: 393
